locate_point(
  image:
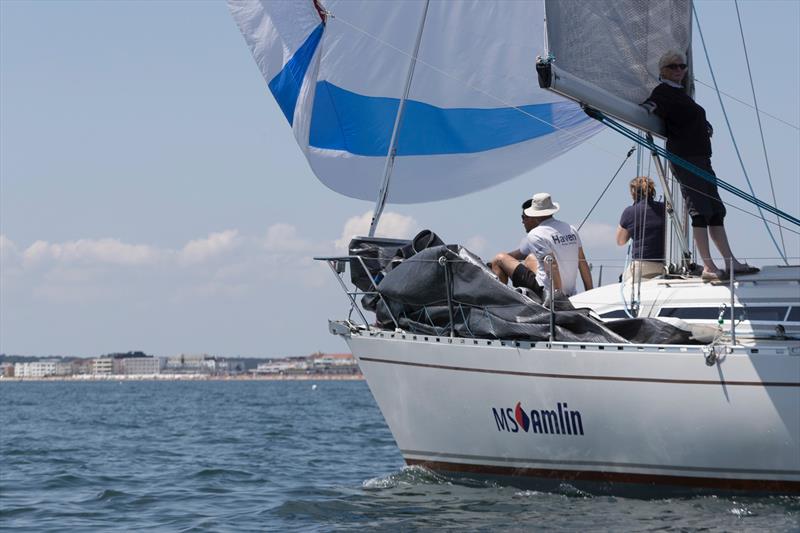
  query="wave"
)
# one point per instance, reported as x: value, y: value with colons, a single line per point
x: 221, y: 472
x: 407, y: 476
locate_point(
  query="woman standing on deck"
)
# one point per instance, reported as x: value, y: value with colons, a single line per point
x: 644, y: 223
x: 689, y: 137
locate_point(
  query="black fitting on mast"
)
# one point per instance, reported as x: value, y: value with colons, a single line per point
x: 593, y: 113
x: 545, y: 73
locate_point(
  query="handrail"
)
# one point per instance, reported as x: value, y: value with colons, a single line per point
x: 549, y: 260
x: 333, y: 263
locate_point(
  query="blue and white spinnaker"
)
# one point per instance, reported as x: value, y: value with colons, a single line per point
x: 474, y: 117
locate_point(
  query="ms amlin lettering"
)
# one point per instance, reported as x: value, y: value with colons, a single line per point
x: 558, y: 421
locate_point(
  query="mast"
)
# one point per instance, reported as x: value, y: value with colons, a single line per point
x: 387, y: 170
x: 673, y: 217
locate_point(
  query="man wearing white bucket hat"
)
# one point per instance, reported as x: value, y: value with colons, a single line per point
x: 546, y: 236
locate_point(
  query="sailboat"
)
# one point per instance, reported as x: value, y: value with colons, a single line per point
x: 421, y: 101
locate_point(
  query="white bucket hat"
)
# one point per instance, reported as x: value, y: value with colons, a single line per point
x: 541, y: 205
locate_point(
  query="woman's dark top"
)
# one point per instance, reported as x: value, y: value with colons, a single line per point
x: 688, y: 132
x: 644, y: 222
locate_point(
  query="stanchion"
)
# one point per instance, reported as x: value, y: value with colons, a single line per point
x: 732, y: 274
x: 443, y: 262
x: 549, y: 260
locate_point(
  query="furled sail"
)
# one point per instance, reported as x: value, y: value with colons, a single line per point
x: 474, y: 117
x: 605, y: 53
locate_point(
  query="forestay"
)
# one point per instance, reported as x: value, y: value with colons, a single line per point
x: 475, y: 115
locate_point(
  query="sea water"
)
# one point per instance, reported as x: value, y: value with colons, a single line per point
x: 278, y: 456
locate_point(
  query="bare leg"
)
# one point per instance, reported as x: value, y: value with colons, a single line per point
x: 531, y: 263
x: 720, y: 238
x: 701, y: 240
x: 503, y: 266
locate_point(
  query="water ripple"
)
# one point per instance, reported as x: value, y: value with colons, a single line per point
x: 273, y: 456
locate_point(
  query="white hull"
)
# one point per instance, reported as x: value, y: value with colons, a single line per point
x: 649, y: 415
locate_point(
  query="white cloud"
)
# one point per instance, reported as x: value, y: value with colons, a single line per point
x: 109, y: 251
x: 392, y: 225
x: 282, y: 238
x: 477, y: 245
x: 9, y: 253
x: 225, y: 264
x: 598, y: 234
x: 200, y: 250
x: 600, y: 244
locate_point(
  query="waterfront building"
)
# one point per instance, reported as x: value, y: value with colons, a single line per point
x: 42, y: 369
x: 7, y: 370
x: 141, y: 365
x: 286, y: 366
x: 334, y: 363
x: 82, y: 366
x: 103, y: 366
x: 192, y: 363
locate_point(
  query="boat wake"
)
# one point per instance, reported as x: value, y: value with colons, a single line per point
x: 406, y: 477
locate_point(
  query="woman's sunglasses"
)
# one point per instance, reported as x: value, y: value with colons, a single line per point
x: 676, y: 66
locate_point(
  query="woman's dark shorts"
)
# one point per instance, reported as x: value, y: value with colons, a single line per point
x: 702, y: 197
x: 523, y: 277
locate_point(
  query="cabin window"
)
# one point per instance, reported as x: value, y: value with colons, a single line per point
x: 767, y: 314
x: 794, y: 314
x: 617, y: 313
x: 696, y: 313
x: 771, y: 314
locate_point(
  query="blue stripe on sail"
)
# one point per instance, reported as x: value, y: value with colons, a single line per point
x: 285, y: 86
x: 362, y: 125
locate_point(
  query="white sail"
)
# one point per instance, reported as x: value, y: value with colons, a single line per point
x: 606, y: 53
x: 475, y: 115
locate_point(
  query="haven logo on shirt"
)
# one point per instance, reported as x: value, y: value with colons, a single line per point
x: 569, y: 238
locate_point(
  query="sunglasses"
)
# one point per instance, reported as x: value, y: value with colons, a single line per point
x: 676, y: 66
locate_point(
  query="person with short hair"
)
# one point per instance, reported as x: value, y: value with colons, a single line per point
x: 546, y: 236
x: 643, y: 223
x: 689, y: 137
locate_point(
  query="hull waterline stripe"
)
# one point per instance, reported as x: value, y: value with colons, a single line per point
x: 591, y: 378
x: 756, y: 485
x: 735, y: 471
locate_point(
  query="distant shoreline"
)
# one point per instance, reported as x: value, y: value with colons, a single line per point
x: 193, y: 377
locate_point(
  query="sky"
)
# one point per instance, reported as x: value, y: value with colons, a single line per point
x: 152, y: 196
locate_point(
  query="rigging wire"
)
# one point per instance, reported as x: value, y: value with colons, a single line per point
x: 630, y: 152
x: 760, y: 128
x: 733, y: 138
x: 636, y: 232
x: 760, y: 111
x: 632, y: 312
x: 377, y: 39
x: 643, y: 232
x: 616, y: 126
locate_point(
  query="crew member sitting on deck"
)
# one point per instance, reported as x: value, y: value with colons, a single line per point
x: 546, y: 237
x: 644, y: 223
x: 689, y: 137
